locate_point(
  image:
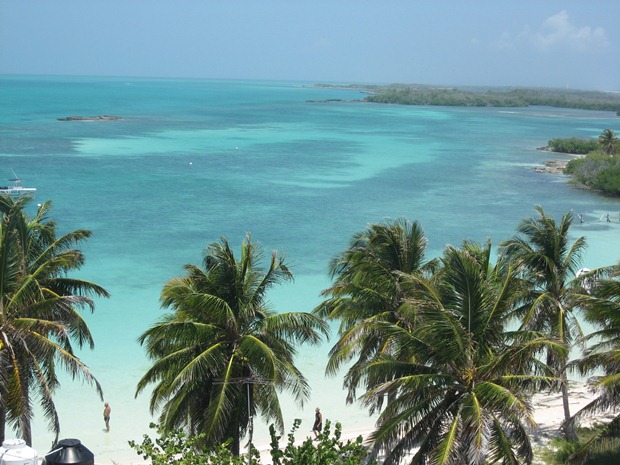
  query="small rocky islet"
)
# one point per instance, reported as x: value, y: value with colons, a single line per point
x: 90, y: 118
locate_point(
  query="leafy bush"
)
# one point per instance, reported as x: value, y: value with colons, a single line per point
x: 178, y: 448
x: 597, y: 171
x: 327, y: 451
x: 561, y: 451
x: 573, y: 145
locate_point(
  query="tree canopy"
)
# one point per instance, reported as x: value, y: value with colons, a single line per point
x: 221, y: 354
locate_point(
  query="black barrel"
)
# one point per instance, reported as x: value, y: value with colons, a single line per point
x: 70, y: 452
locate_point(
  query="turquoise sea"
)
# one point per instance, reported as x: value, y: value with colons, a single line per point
x: 193, y: 160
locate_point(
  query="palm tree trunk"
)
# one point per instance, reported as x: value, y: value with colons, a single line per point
x: 3, y: 395
x: 26, y: 420
x: 2, y: 424
x: 568, y: 427
x: 374, y: 453
x: 250, y: 392
x: 27, y: 432
x: 235, y: 446
x: 378, y: 448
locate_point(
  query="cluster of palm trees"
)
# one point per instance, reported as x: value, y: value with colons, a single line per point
x: 446, y: 351
x: 39, y: 313
x: 450, y: 351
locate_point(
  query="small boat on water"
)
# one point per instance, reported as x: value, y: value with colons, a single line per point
x: 17, y: 188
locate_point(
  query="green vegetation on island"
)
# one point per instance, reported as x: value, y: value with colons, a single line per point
x: 573, y: 145
x: 596, y: 171
x: 599, y: 169
x: 495, y: 97
x: 420, y: 94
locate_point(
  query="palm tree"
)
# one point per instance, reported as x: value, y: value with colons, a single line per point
x: 608, y: 141
x: 221, y: 354
x: 603, y: 357
x: 368, y: 288
x: 39, y: 313
x: 462, y: 381
x: 550, y: 263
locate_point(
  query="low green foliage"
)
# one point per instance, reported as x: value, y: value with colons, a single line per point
x: 573, y: 145
x: 596, y: 171
x: 562, y: 451
x: 178, y: 448
x: 406, y: 94
x: 328, y: 450
x: 444, y: 97
x: 600, y: 168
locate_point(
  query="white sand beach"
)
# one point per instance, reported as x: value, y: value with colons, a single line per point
x: 548, y: 414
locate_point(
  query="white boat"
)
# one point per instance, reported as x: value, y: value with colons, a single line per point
x: 16, y: 189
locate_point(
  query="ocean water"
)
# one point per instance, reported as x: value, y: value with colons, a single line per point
x: 194, y: 160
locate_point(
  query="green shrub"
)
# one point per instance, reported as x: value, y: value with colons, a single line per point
x: 573, y: 145
x: 596, y: 171
x: 561, y: 451
x: 574, y: 165
x: 328, y: 450
x: 178, y: 448
x: 608, y: 179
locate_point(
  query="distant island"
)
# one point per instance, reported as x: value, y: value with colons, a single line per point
x: 597, y: 164
x: 90, y: 118
x: 411, y: 94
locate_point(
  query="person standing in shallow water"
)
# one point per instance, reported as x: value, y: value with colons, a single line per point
x: 318, y: 423
x: 106, y: 415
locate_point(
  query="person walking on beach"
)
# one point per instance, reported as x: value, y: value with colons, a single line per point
x: 106, y: 415
x: 318, y: 423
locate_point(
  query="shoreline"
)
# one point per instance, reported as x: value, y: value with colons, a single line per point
x: 547, y: 411
x: 551, y: 167
x: 554, y: 166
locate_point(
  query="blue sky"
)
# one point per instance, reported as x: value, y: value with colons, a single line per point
x: 546, y: 43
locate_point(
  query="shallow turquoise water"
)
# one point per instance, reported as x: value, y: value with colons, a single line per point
x: 193, y: 160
